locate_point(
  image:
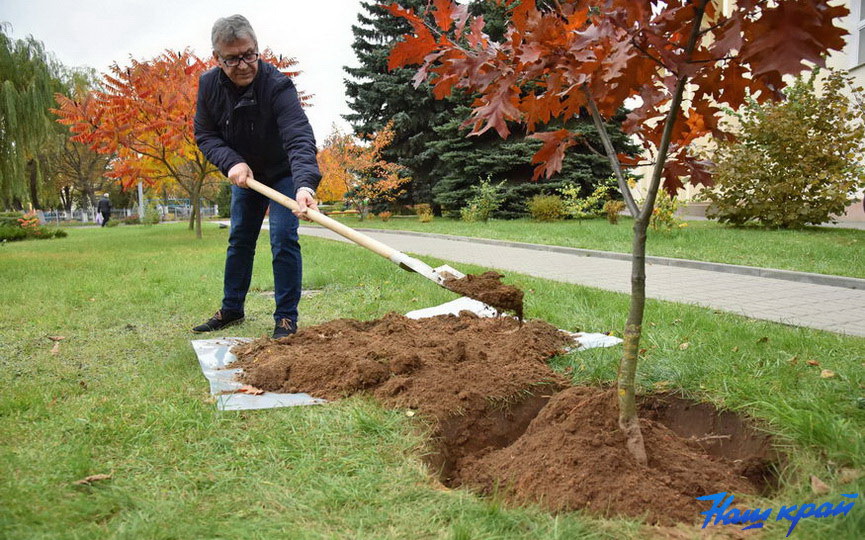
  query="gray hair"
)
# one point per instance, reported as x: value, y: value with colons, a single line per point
x: 229, y: 29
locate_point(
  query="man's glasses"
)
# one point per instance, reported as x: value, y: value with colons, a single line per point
x: 234, y: 61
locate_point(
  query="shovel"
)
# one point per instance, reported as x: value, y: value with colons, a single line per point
x: 438, y: 275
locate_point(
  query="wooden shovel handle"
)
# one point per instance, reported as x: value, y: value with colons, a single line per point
x: 314, y: 215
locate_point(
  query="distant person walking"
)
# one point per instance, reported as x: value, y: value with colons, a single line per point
x: 104, y: 208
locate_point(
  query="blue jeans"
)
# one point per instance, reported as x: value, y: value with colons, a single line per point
x: 247, y: 213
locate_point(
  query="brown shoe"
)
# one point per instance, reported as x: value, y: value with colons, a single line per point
x: 284, y: 328
x: 220, y: 320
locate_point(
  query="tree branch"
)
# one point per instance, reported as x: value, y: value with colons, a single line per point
x: 633, y: 208
x: 675, y: 107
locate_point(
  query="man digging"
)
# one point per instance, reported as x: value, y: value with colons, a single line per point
x: 250, y: 124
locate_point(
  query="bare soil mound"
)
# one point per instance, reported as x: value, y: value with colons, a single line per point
x: 489, y: 289
x: 439, y: 366
x: 573, y: 455
x: 505, y: 422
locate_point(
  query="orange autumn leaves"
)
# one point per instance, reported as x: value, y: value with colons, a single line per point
x: 355, y: 170
x: 557, y: 62
x: 142, y: 115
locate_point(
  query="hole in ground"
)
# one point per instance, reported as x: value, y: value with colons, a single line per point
x: 564, y: 450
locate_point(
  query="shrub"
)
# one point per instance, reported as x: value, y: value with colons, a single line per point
x: 385, y: 215
x: 547, y: 208
x: 795, y: 162
x: 131, y: 220
x: 11, y: 233
x: 151, y: 214
x: 424, y: 212
x: 612, y: 209
x: 487, y: 199
x: 592, y: 206
x: 22, y: 227
x: 664, y: 213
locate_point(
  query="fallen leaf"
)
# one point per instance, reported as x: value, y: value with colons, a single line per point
x: 56, y: 348
x: 56, y: 338
x: 684, y: 346
x: 763, y: 339
x: 249, y: 389
x: 813, y: 363
x: 818, y: 486
x: 827, y: 374
x: 793, y: 361
x: 736, y: 349
x: 410, y: 413
x: 92, y: 478
x: 845, y: 476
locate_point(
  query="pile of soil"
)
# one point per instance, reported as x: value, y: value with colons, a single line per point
x: 505, y: 422
x: 489, y: 289
x: 440, y: 365
x: 573, y: 455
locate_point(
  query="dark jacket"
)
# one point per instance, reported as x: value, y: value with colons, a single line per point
x: 103, y: 205
x: 264, y: 126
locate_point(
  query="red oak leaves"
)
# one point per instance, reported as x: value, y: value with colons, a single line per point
x: 552, y: 60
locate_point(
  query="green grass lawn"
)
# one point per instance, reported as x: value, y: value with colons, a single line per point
x: 125, y: 396
x: 815, y: 249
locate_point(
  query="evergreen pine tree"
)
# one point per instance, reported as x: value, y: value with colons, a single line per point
x: 378, y: 96
x: 430, y: 139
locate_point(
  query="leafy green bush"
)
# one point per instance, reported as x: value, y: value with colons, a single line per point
x: 547, y: 208
x: 151, y: 214
x: 664, y: 216
x: 795, y: 162
x: 592, y: 206
x: 10, y: 233
x: 25, y: 226
x: 487, y: 199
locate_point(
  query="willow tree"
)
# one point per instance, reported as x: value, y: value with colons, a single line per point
x: 28, y: 81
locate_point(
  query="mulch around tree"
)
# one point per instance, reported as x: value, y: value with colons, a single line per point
x: 503, y: 420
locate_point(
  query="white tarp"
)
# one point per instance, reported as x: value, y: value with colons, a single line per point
x: 215, y: 354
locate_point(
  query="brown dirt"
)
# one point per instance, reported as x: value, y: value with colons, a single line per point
x: 489, y: 289
x: 505, y: 422
x: 439, y: 366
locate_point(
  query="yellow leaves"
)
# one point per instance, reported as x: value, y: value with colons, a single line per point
x: 827, y: 374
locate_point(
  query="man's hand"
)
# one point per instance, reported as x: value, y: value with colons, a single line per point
x: 239, y: 174
x: 304, y: 200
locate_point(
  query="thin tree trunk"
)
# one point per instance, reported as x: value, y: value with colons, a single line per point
x: 629, y: 422
x: 193, y: 197
x: 33, y: 173
x: 198, y: 214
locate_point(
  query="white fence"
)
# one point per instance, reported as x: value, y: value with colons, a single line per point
x: 89, y: 215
